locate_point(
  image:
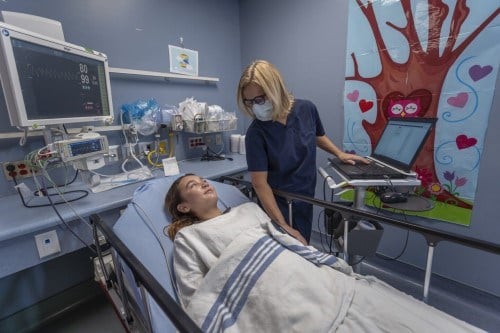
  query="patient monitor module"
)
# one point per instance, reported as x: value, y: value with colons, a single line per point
x: 85, y: 153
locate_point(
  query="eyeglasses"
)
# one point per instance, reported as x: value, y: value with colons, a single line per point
x: 261, y: 99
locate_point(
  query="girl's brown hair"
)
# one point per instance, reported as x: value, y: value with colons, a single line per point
x: 179, y: 219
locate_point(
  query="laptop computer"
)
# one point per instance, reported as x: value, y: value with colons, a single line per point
x: 395, y: 152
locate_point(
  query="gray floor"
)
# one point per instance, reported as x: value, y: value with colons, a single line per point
x: 96, y: 316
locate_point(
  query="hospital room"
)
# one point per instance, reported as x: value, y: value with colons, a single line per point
x: 249, y: 166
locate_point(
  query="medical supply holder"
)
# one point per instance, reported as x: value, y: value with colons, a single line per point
x: 200, y: 126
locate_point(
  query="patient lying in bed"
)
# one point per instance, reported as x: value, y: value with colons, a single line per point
x: 238, y: 272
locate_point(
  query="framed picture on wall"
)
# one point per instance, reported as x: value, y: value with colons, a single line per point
x: 183, y: 61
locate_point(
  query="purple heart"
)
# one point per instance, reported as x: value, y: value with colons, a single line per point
x: 477, y: 72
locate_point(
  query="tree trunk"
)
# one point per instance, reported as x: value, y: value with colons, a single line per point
x: 422, y: 75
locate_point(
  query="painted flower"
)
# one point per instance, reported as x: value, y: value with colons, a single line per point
x: 435, y: 188
x: 449, y: 175
x: 460, y: 181
x: 424, y: 175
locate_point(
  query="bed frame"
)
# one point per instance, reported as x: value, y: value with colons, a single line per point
x: 139, y: 304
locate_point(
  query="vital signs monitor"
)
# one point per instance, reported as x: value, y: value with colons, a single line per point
x: 48, y: 81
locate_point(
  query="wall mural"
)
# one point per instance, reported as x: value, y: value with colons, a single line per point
x: 425, y: 58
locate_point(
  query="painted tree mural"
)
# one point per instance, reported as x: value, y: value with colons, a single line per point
x: 421, y: 76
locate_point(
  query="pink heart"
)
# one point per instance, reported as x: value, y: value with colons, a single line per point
x: 365, y: 105
x: 459, y: 101
x: 464, y: 142
x: 353, y: 96
x: 477, y: 72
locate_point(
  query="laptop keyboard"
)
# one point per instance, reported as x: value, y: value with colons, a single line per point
x: 365, y: 171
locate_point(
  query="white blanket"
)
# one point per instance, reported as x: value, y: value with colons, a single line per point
x: 238, y: 273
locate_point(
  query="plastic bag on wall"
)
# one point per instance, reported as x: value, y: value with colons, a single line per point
x: 144, y: 115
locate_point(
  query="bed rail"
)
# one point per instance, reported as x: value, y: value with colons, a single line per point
x: 142, y: 276
x: 185, y: 324
x: 431, y: 235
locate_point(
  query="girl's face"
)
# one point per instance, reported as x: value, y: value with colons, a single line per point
x: 197, y: 194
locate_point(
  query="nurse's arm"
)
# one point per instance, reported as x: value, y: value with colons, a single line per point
x: 268, y: 201
x: 327, y: 145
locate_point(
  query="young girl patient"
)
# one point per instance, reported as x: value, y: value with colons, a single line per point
x: 237, y: 271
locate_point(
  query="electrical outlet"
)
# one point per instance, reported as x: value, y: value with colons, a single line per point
x: 218, y: 139
x: 196, y: 142
x: 18, y: 169
x: 145, y: 147
x: 47, y: 243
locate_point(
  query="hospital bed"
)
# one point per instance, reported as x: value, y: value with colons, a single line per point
x: 142, y: 271
x: 137, y: 238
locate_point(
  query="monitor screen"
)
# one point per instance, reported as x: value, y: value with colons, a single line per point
x: 402, y: 140
x: 52, y: 82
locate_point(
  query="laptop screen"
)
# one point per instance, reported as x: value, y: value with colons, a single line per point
x: 402, y: 140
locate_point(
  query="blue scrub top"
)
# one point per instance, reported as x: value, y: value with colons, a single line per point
x: 287, y: 152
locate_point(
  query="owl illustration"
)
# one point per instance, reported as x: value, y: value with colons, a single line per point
x: 404, y: 108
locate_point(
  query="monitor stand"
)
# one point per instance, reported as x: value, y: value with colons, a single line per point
x: 54, y: 133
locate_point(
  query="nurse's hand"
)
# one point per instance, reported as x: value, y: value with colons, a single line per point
x: 294, y: 233
x: 352, y: 158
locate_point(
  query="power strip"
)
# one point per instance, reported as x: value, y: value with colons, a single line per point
x: 196, y: 142
x: 17, y: 169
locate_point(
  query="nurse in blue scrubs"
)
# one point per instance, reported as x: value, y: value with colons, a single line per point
x: 281, y: 145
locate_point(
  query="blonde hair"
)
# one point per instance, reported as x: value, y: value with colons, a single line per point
x: 179, y: 219
x: 266, y: 76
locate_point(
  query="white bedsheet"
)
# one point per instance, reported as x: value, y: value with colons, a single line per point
x: 238, y: 273
x: 140, y: 228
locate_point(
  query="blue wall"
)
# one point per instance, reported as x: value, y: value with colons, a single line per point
x: 307, y: 43
x: 136, y: 35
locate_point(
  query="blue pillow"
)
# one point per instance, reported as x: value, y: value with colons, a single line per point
x: 140, y: 228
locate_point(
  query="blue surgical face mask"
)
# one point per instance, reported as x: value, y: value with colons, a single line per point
x: 263, y: 112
